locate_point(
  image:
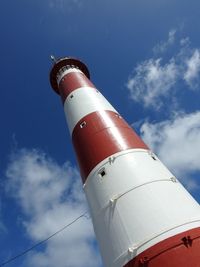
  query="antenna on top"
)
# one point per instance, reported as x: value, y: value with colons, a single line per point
x: 53, y: 58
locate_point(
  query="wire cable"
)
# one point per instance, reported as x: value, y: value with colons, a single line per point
x: 43, y: 241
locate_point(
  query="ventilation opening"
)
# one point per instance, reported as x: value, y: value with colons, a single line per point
x: 83, y: 124
x: 71, y: 96
x: 153, y: 157
x: 102, y: 173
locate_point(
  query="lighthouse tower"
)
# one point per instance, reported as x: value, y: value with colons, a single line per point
x: 142, y: 215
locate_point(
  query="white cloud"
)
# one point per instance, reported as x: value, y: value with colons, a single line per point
x: 163, y: 46
x: 50, y: 197
x: 185, y: 41
x: 155, y: 80
x: 152, y: 81
x: 177, y: 142
x: 192, y: 72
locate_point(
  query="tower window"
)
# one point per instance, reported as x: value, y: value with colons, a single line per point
x: 102, y: 172
x: 83, y: 124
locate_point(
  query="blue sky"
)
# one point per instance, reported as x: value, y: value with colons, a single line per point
x: 144, y: 56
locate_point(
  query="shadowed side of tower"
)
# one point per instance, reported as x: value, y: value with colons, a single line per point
x: 142, y: 215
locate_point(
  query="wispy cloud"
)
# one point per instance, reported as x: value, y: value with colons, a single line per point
x: 51, y: 196
x: 177, y: 142
x: 191, y: 75
x: 163, y: 46
x: 152, y: 81
x: 155, y: 79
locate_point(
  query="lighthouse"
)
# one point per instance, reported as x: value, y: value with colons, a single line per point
x: 141, y: 213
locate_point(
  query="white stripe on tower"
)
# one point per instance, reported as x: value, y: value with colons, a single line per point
x: 88, y: 100
x: 142, y: 215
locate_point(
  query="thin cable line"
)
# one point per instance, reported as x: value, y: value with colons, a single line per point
x: 43, y: 241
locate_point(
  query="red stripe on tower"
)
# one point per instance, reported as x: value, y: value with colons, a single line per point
x: 177, y: 251
x: 72, y: 81
x: 100, y: 135
x: 141, y: 214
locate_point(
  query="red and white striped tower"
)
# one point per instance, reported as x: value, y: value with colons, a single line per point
x: 142, y: 215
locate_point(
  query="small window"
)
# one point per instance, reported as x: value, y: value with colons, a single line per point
x: 83, y: 124
x: 71, y: 96
x: 102, y: 172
